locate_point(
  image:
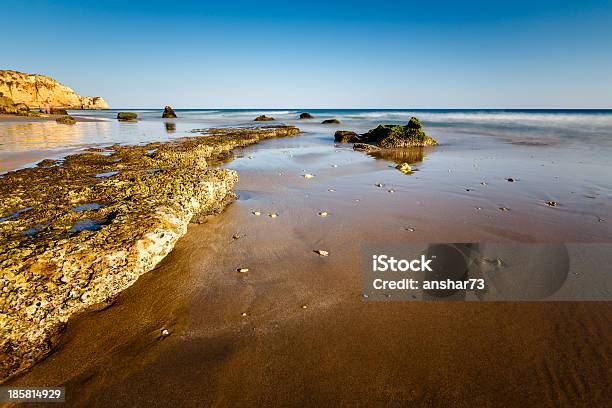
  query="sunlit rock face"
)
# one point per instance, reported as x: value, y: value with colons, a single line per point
x: 40, y: 91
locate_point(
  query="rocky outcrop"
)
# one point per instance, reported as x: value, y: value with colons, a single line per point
x: 306, y: 115
x: 127, y: 116
x: 331, y: 122
x: 66, y: 120
x: 346, y: 136
x: 8, y: 107
x: 263, y: 118
x: 168, y: 113
x: 394, y: 136
x: 40, y: 91
x: 78, y: 232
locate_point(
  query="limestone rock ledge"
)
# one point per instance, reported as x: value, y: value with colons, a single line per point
x: 76, y: 232
x: 39, y: 91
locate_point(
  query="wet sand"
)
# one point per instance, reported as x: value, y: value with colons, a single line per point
x: 307, y: 337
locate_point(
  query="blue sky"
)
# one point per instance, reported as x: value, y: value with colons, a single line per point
x: 352, y: 54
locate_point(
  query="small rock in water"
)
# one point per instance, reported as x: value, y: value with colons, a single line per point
x: 273, y: 215
x: 258, y: 213
x: 410, y: 229
x: 243, y: 314
x: 551, y: 203
x: 323, y: 214
x: 242, y: 270
x: 483, y: 183
x: 511, y: 179
x: 392, y: 191
x: 479, y: 208
x: 504, y: 209
x: 404, y: 168
x: 331, y: 190
x: 334, y: 165
x: 321, y: 252
x: 165, y: 333
x: 304, y: 306
x: 379, y: 185
x: 250, y: 157
x: 308, y: 176
x: 601, y: 220
x: 236, y: 236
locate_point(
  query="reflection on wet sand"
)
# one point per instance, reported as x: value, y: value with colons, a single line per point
x: 19, y: 137
x: 170, y: 127
x: 410, y: 155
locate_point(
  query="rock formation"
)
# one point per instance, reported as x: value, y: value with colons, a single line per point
x: 66, y: 120
x: 168, y: 113
x: 263, y: 118
x: 346, y: 136
x: 331, y: 122
x: 40, y: 91
x: 394, y: 136
x: 79, y: 231
x: 127, y: 116
x: 306, y: 115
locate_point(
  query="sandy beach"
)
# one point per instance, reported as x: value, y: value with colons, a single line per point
x: 295, y: 328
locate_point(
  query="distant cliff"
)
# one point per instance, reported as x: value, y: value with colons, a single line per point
x: 38, y: 91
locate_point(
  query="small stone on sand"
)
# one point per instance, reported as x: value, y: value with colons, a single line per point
x: 331, y: 190
x: 323, y: 214
x: 165, y: 333
x: 304, y: 306
x: 308, y: 176
x: 511, y: 179
x: 392, y: 191
x: 236, y: 236
x: 258, y: 213
x: 334, y: 165
x: 321, y: 252
x: 410, y: 229
x: 379, y: 185
x: 551, y: 203
x: 242, y: 270
x: 243, y: 314
x: 504, y: 209
x: 273, y: 215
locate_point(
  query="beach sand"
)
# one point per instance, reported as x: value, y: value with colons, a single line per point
x: 294, y: 329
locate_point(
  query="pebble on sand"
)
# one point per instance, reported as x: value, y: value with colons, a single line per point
x: 273, y: 215
x: 331, y: 190
x: 504, y: 209
x: 165, y: 333
x: 323, y: 214
x: 410, y: 229
x: 321, y: 252
x: 236, y: 236
x: 304, y: 306
x: 511, y: 179
x: 392, y: 191
x: 379, y: 185
x: 242, y: 270
x: 551, y: 203
x: 243, y: 314
x: 258, y: 213
x: 308, y: 176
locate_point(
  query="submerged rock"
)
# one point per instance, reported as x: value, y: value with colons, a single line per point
x: 66, y: 120
x: 73, y: 259
x: 127, y: 116
x: 168, y: 113
x: 393, y: 136
x: 58, y: 111
x: 331, y: 121
x: 306, y: 115
x: 263, y: 118
x: 346, y: 136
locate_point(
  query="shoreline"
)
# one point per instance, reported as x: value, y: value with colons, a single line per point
x: 81, y: 230
x: 4, y: 118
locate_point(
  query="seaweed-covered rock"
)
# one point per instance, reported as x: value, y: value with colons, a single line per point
x: 263, y: 118
x: 392, y: 136
x: 331, y: 122
x: 58, y: 111
x: 66, y: 120
x: 306, y: 115
x: 404, y: 168
x: 168, y: 113
x: 346, y: 136
x: 127, y: 116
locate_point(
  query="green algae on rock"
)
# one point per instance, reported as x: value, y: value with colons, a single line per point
x: 331, y: 122
x: 71, y: 239
x: 392, y: 136
x: 66, y: 120
x: 346, y: 136
x: 7, y: 106
x: 127, y: 116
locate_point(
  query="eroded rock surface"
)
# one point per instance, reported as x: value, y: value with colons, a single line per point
x: 346, y: 136
x: 77, y: 232
x: 168, y: 112
x: 394, y: 136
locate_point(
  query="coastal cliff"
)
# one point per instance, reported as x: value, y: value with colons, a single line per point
x: 38, y: 91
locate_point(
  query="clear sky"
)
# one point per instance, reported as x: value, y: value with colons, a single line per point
x: 305, y: 54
